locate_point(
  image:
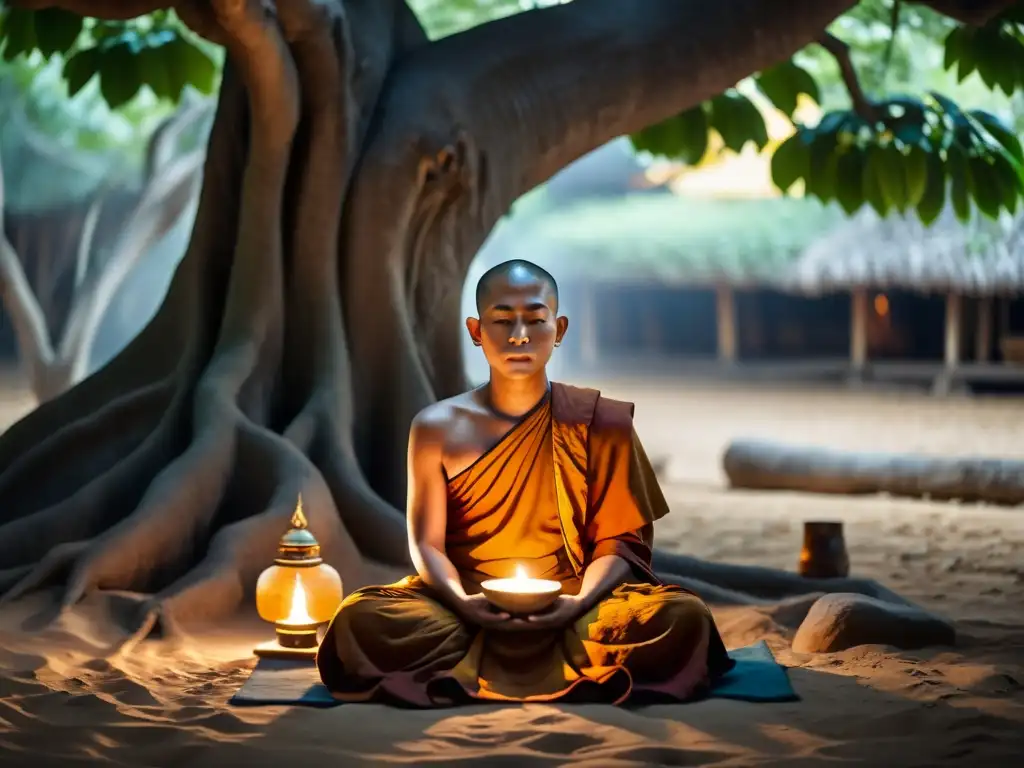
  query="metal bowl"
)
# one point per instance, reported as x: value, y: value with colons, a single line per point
x: 541, y: 595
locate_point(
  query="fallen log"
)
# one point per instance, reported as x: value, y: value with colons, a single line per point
x: 766, y: 466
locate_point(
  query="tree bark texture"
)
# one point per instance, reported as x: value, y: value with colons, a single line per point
x: 354, y: 169
x: 764, y: 466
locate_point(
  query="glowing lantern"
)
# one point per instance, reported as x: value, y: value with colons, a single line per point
x: 297, y: 594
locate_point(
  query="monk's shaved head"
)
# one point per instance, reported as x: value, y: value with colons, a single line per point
x: 514, y: 272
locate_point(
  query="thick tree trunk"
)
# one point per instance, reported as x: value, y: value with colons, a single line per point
x: 353, y: 171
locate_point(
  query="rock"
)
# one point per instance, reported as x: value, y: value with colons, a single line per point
x: 840, y: 621
x: 792, y: 611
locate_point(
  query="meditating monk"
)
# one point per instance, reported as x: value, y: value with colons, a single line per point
x: 525, y: 473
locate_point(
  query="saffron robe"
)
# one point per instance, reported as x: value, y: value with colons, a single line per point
x: 568, y: 484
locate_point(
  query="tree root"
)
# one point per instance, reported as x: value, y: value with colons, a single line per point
x: 734, y: 581
x: 56, y: 461
x: 96, y: 505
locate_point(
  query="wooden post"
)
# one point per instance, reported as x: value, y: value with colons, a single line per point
x: 588, y: 326
x: 859, y: 330
x: 954, y: 308
x: 983, y: 330
x: 725, y: 306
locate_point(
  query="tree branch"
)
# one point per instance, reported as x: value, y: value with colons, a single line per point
x: 840, y: 51
x: 86, y: 238
x: 34, y: 344
x: 115, y: 10
x: 170, y: 182
x: 974, y: 13
x: 195, y: 13
x: 163, y: 143
x: 162, y: 203
x: 545, y: 87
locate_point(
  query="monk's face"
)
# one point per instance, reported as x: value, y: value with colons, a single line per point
x: 518, y: 326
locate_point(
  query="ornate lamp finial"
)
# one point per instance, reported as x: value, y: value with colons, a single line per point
x: 299, y: 517
x: 298, y: 546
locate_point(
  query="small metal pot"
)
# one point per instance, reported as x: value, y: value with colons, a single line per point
x: 824, y: 555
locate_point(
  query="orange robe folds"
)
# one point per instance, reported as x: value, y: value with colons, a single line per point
x: 568, y: 484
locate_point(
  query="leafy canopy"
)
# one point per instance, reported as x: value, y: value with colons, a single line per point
x: 892, y: 152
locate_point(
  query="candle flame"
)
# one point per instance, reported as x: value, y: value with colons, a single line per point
x: 298, y: 615
x: 521, y: 573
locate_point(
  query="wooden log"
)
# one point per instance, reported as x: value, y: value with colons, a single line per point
x: 762, y: 465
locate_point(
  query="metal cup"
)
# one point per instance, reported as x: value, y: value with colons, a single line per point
x: 824, y: 555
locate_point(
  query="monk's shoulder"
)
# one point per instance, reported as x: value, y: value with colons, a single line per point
x: 584, y: 405
x: 434, y: 423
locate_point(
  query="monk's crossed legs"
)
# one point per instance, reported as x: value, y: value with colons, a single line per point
x: 402, y: 628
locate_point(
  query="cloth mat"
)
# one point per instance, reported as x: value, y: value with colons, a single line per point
x: 757, y: 676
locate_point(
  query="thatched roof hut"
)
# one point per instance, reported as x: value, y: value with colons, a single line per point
x: 980, y: 258
x: 673, y: 240
x: 792, y: 245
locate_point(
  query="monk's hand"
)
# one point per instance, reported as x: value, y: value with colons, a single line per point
x: 563, y: 612
x: 478, y: 610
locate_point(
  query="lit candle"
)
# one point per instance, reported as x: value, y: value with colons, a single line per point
x: 298, y: 616
x: 521, y: 594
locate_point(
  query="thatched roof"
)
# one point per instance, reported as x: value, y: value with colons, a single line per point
x: 683, y: 241
x: 977, y: 258
x: 793, y: 245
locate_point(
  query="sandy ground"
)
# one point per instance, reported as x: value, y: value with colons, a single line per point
x: 60, y: 705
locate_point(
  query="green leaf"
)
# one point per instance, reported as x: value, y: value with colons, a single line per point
x: 985, y: 186
x: 692, y: 132
x: 19, y: 33
x: 873, y: 193
x: 892, y: 178
x: 683, y: 137
x: 650, y: 139
x: 1009, y: 182
x: 738, y: 121
x: 821, y: 181
x: 915, y: 165
x: 983, y: 54
x: 1007, y: 54
x: 153, y: 71
x: 56, y: 30
x: 192, y: 64
x: 934, y: 199
x: 784, y: 83
x: 832, y: 122
x: 947, y: 105
x: 959, y: 191
x: 954, y: 44
x: 997, y: 131
x: 119, y: 75
x: 910, y: 133
x: 79, y: 69
x: 790, y: 162
x: 849, y: 184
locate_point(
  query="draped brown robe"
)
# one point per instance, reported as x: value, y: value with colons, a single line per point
x: 568, y: 484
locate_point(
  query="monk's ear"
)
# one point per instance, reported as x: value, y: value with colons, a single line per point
x: 473, y: 326
x: 561, y: 326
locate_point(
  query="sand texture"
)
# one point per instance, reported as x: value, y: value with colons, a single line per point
x: 63, y: 703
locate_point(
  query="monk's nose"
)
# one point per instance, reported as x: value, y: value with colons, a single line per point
x: 519, y: 336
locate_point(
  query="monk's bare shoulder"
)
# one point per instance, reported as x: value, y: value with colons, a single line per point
x: 438, y: 422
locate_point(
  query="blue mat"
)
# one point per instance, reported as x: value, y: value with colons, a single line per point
x: 757, y: 676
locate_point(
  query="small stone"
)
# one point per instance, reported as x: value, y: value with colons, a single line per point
x: 952, y: 564
x: 840, y: 621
